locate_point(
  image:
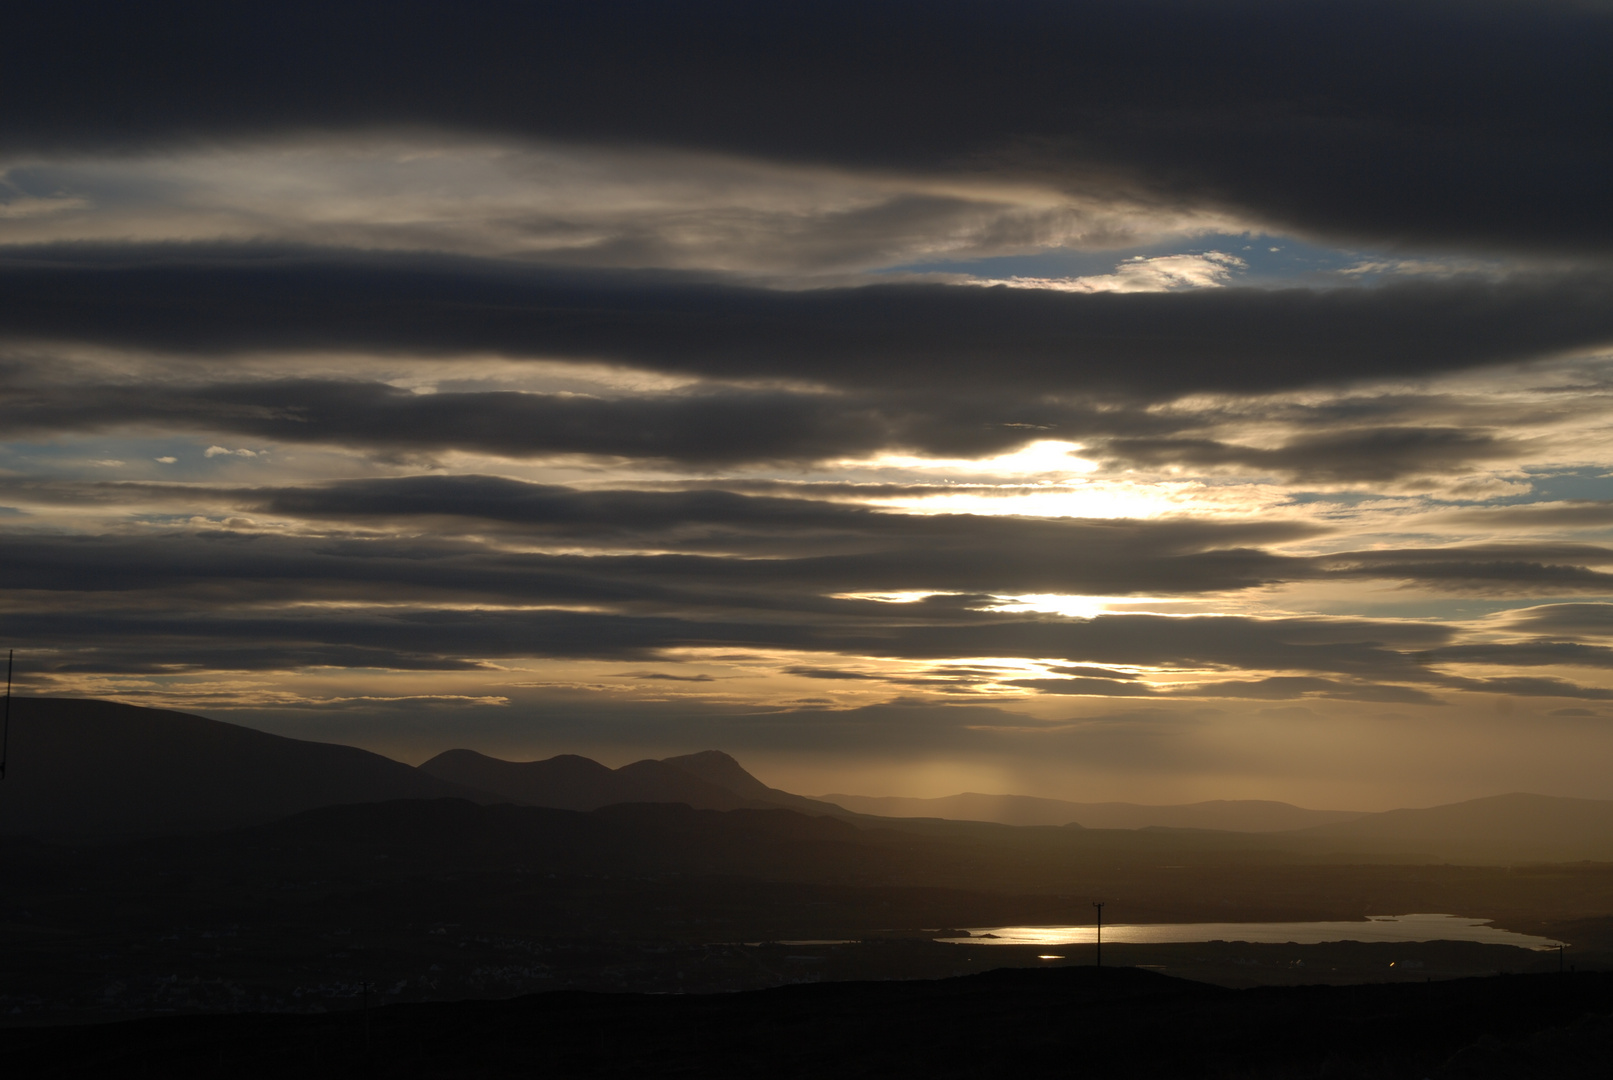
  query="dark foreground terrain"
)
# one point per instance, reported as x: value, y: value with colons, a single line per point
x: 434, y: 900
x: 1080, y: 1021
x: 404, y: 924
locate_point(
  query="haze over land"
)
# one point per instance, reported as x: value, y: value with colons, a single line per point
x: 90, y: 770
x: 1154, y: 402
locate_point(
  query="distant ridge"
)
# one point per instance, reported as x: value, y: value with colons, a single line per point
x: 1231, y: 815
x: 709, y: 780
x: 98, y: 768
x: 1500, y: 828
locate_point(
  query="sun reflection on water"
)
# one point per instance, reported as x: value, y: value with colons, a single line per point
x: 1379, y: 928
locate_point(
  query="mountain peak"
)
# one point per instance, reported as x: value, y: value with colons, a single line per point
x: 716, y: 767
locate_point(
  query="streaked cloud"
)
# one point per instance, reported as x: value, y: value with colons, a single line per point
x: 1210, y: 399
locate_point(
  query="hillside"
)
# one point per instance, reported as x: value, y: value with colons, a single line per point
x: 97, y: 768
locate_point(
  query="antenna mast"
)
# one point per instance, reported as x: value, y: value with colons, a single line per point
x: 1099, y: 905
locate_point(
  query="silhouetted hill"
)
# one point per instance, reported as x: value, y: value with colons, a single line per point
x: 99, y: 768
x: 716, y: 767
x: 1498, y: 829
x: 709, y: 780
x: 1234, y: 815
x: 570, y: 782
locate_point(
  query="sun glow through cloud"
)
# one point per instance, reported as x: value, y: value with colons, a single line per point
x: 595, y: 411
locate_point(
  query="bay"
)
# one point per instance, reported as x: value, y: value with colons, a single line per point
x: 1421, y: 927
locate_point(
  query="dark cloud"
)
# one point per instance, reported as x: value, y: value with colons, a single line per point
x: 725, y: 520
x: 832, y: 673
x: 1092, y: 672
x: 1531, y: 686
x: 1353, y: 647
x: 1285, y: 687
x: 235, y: 614
x: 1523, y: 654
x: 1089, y: 687
x: 805, y: 544
x: 1361, y: 454
x: 894, y: 338
x: 720, y: 549
x: 220, y: 601
x: 435, y: 494
x: 702, y: 428
x: 200, y: 598
x: 668, y: 677
x: 790, y: 551
x: 1539, y: 568
x: 1482, y: 122
x: 1271, y: 689
x: 1290, y: 687
x: 1595, y: 620
x: 942, y: 553
x: 1569, y: 514
x: 494, y: 498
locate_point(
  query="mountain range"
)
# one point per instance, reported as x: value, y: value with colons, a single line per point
x: 709, y: 780
x: 99, y: 769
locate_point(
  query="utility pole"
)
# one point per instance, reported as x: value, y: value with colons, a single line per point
x: 1099, y: 905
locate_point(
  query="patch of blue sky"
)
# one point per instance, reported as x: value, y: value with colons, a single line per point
x: 1271, y: 260
x: 120, y: 458
x: 1338, y: 498
x: 95, y: 186
x: 1566, y: 485
x: 166, y: 521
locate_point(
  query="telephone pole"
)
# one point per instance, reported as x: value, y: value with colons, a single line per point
x: 1099, y: 905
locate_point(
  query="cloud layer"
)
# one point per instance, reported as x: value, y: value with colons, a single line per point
x: 1174, y: 394
x: 1361, y: 118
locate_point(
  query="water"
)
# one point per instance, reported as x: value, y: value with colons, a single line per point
x: 1373, y: 928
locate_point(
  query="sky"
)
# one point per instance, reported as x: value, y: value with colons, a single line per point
x: 1153, y: 401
